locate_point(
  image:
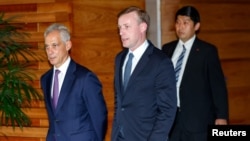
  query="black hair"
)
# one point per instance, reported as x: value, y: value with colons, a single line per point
x: 189, y: 11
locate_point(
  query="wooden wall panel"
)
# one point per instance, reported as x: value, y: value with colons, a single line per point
x: 226, y: 24
x: 12, y: 2
x: 237, y: 73
x: 97, y: 18
x: 224, y: 16
x: 36, y: 132
x: 35, y: 16
x: 231, y: 45
x: 94, y: 49
x: 239, y: 105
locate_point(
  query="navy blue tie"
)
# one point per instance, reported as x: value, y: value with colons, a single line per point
x: 127, y: 70
x: 179, y: 63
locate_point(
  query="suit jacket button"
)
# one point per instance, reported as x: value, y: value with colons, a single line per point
x: 123, y: 109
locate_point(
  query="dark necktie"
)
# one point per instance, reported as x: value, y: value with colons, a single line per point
x: 179, y: 63
x: 127, y: 70
x: 56, y: 88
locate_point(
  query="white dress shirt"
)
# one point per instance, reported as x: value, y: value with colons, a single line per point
x: 177, y: 52
x: 137, y: 56
x: 63, y: 69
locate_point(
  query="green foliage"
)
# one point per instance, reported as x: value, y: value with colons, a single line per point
x: 16, y: 90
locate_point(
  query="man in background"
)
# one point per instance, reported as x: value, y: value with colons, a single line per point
x: 201, y: 88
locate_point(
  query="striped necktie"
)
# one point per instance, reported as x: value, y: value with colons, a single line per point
x: 179, y: 63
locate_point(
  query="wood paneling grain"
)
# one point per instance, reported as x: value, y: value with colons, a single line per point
x: 54, y: 7
x: 99, y: 17
x: 18, y: 8
x: 35, y: 122
x: 231, y: 45
x: 237, y: 73
x: 239, y: 98
x: 39, y: 17
x: 97, y: 53
x: 43, y: 26
x: 13, y: 2
x: 36, y: 132
x: 39, y: 113
x: 5, y: 138
x: 224, y: 16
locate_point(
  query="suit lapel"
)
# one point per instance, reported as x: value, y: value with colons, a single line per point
x: 67, y: 84
x: 119, y: 73
x: 192, y: 58
x: 48, y: 89
x: 141, y: 64
x: 169, y: 50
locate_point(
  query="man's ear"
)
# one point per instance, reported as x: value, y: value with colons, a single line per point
x: 197, y: 26
x: 143, y: 27
x: 68, y: 45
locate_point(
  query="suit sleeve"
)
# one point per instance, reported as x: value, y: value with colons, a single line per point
x: 218, y: 85
x: 96, y: 105
x: 166, y: 100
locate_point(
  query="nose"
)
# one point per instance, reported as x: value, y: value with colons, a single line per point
x: 49, y: 50
x: 120, y: 32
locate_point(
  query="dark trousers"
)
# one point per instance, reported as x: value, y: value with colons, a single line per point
x: 180, y: 133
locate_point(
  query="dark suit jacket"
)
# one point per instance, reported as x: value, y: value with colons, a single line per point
x: 203, y: 93
x: 81, y: 113
x: 146, y: 110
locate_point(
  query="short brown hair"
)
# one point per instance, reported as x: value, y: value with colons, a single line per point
x: 142, y: 14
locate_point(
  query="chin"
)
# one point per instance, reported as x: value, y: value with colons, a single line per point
x: 52, y: 62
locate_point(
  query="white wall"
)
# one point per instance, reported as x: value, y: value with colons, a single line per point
x: 153, y: 9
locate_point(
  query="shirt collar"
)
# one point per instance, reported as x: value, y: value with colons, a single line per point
x: 188, y: 44
x: 140, y: 50
x: 64, y: 66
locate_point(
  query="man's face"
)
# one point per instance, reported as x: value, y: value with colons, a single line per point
x: 56, y: 49
x: 185, y: 28
x: 131, y: 30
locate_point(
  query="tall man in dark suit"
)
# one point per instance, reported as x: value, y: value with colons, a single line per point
x: 145, y: 108
x: 201, y: 87
x: 80, y: 112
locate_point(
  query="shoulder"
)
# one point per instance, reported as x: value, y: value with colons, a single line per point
x: 121, y: 53
x: 169, y: 47
x: 46, y: 74
x: 159, y: 56
x: 204, y: 44
x: 207, y: 46
x: 169, y: 44
x: 79, y: 69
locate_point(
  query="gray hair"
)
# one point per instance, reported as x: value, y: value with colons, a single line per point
x: 63, y: 30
